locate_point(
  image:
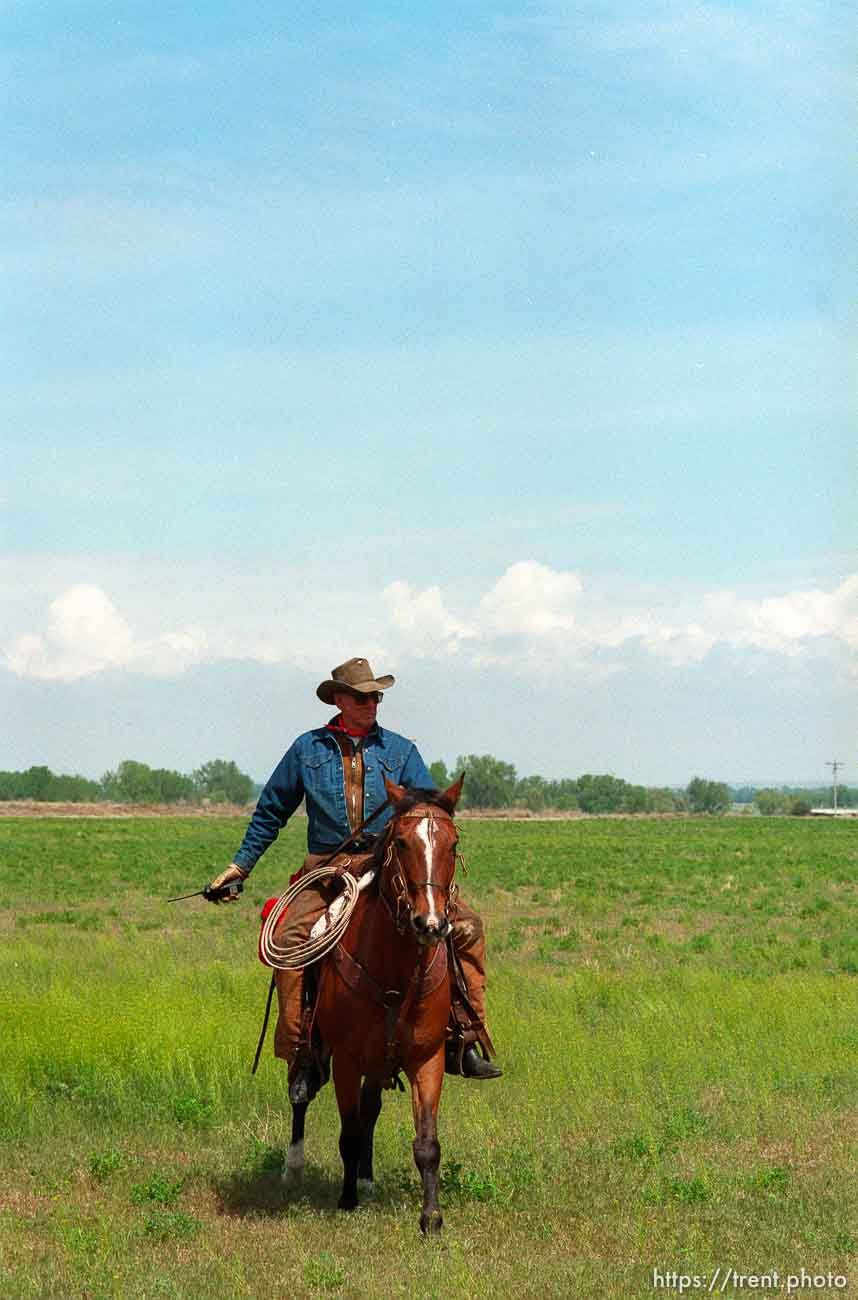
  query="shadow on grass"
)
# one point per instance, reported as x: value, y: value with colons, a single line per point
x: 260, y: 1193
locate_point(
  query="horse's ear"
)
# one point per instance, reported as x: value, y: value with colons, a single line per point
x: 452, y: 795
x: 394, y: 792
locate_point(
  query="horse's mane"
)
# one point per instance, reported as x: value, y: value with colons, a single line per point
x: 410, y: 800
x: 415, y: 796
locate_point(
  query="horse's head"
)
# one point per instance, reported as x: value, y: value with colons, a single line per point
x: 421, y: 858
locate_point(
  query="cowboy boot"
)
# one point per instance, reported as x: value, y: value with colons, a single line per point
x: 462, y: 1055
x: 305, y: 1079
x: 310, y: 1067
x: 476, y: 1066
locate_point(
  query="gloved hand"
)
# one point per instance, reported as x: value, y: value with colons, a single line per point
x: 233, y: 872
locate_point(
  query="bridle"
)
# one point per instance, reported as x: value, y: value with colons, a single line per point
x: 401, y: 907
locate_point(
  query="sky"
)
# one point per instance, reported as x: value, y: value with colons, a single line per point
x: 507, y: 345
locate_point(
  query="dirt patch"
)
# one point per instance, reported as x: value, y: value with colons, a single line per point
x: 553, y: 815
x: 35, y: 808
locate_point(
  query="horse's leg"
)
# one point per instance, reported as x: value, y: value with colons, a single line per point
x: 370, y: 1107
x: 347, y: 1087
x: 425, y: 1095
x: 293, y: 1166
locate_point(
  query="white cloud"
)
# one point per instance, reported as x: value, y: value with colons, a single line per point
x: 787, y: 624
x: 538, y: 617
x: 532, y: 619
x: 531, y: 600
x: 86, y: 634
x: 424, y: 619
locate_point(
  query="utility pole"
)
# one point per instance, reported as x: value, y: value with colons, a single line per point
x: 834, y: 766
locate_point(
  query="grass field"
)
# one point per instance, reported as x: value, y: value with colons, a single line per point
x: 675, y: 1004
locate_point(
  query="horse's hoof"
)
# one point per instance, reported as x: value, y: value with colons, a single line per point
x: 366, y: 1188
x: 347, y: 1203
x: 292, y: 1178
x: 430, y: 1224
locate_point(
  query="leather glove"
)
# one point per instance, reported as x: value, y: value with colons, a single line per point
x: 233, y: 872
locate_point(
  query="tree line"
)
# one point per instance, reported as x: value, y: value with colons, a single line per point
x: 493, y: 783
x: 795, y: 801
x: 490, y: 783
x: 219, y: 781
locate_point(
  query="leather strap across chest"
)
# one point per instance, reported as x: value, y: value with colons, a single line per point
x: 397, y: 1005
x: 358, y: 978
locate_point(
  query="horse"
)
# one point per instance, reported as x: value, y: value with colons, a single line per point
x: 384, y: 995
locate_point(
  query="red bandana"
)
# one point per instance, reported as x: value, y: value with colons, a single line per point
x: 337, y: 725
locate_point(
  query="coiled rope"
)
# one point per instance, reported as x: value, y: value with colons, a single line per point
x: 325, y: 934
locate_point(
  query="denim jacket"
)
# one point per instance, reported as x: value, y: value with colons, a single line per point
x: 312, y: 769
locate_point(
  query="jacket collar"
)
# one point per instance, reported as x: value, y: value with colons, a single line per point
x: 375, y: 733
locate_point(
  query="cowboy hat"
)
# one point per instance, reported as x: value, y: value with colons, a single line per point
x: 353, y: 675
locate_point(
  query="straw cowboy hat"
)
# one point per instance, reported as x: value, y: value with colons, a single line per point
x: 353, y: 675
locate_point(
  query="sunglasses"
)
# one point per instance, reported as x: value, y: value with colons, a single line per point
x: 369, y: 697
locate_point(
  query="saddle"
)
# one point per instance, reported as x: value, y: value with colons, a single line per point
x: 463, y: 1027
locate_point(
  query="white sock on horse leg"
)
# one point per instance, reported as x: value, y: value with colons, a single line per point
x: 293, y: 1166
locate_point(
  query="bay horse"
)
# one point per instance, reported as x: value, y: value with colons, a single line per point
x: 384, y: 994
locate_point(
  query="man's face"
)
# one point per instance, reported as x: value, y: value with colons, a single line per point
x: 358, y: 710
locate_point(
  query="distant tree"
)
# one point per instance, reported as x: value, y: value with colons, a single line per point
x: 707, y: 796
x: 489, y: 782
x: 171, y: 787
x: 132, y: 782
x: 601, y: 794
x: 73, y: 789
x: 562, y: 795
x: 770, y: 802
x: 43, y: 784
x: 531, y: 792
x: 636, y: 799
x: 37, y: 782
x: 439, y: 774
x: 10, y: 786
x: 800, y: 808
x: 222, y: 782
x: 664, y: 800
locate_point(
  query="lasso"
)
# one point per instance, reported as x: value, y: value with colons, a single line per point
x: 327, y: 931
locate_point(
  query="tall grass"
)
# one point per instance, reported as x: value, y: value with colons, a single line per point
x: 666, y: 1103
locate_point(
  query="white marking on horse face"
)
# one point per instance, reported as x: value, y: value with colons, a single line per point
x: 423, y: 830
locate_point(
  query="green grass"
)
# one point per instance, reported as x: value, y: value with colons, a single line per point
x: 674, y: 1002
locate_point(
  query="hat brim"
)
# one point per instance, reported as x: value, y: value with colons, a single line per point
x: 325, y: 690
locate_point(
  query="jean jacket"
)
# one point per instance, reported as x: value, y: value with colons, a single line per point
x: 312, y: 769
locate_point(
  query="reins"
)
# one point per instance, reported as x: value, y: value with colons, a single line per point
x: 397, y: 881
x: 326, y: 934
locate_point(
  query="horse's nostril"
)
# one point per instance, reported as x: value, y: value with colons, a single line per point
x: 420, y: 922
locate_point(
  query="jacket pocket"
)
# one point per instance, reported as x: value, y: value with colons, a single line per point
x: 319, y: 771
x: 391, y: 768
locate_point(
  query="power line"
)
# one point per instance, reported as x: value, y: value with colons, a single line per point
x: 834, y: 764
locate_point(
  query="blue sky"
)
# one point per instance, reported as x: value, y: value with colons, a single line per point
x: 505, y: 344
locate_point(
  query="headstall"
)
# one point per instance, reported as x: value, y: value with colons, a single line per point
x: 402, y: 908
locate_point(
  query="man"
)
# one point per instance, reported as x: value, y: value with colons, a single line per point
x: 339, y: 771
